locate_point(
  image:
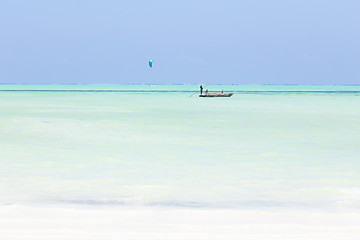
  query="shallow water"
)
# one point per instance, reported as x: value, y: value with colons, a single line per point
x: 265, y: 147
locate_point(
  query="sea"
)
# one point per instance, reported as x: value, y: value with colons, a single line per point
x: 266, y: 147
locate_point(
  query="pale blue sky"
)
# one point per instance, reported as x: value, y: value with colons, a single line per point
x: 228, y: 42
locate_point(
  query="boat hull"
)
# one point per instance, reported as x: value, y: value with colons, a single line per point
x: 216, y: 95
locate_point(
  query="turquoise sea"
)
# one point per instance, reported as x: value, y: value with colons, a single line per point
x: 268, y: 146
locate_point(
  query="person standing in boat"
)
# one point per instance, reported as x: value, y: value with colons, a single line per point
x: 201, y: 89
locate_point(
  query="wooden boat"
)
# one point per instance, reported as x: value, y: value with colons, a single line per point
x: 216, y: 94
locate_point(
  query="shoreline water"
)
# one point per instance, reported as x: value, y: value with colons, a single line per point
x: 25, y: 222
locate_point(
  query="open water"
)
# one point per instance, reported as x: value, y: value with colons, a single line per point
x: 161, y: 145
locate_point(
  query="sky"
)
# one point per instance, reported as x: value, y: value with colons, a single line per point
x: 189, y: 41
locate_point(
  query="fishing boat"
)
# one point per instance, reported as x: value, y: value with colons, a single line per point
x: 216, y: 94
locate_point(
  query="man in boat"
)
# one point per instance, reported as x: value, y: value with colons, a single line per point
x: 201, y: 88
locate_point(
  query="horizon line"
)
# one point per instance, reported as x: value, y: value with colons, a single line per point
x: 191, y: 84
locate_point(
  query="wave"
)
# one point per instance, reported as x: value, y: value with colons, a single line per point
x: 242, y: 204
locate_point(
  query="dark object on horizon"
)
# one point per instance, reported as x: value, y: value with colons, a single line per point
x: 201, y: 89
